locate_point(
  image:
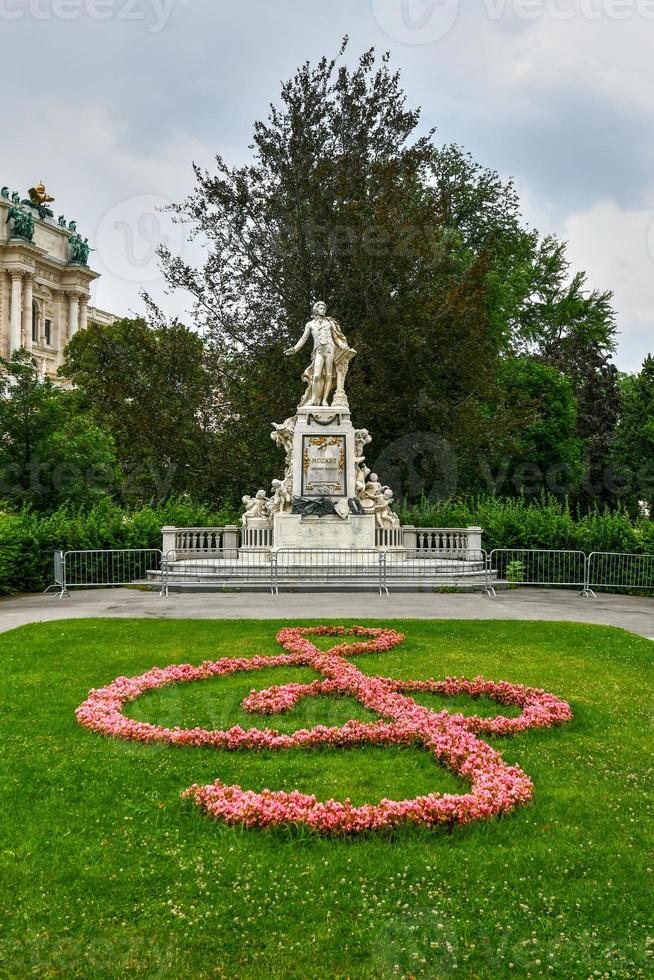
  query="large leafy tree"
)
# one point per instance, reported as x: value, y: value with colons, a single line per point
x: 151, y: 388
x: 573, y: 328
x: 420, y: 253
x: 50, y: 452
x: 543, y: 451
x: 634, y: 447
x: 338, y: 203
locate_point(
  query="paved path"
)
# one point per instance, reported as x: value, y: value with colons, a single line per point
x: 627, y: 612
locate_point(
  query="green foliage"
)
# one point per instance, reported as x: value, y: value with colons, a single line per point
x: 29, y: 539
x: 515, y: 571
x: 543, y: 446
x: 150, y: 387
x: 50, y: 452
x: 544, y: 522
x: 107, y: 873
x: 419, y: 251
x: 634, y: 450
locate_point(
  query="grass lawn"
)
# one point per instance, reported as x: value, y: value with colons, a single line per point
x: 106, y: 872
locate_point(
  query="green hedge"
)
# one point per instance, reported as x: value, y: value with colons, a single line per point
x: 541, y: 523
x: 28, y: 539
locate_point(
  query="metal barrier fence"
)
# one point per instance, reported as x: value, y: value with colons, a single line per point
x: 328, y: 567
x: 103, y: 568
x: 229, y: 567
x: 290, y: 568
x: 525, y: 566
x: 619, y: 571
x: 438, y: 570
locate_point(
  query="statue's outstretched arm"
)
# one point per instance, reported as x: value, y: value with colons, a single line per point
x: 301, y: 342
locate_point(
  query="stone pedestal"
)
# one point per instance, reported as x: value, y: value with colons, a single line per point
x: 294, y: 531
x: 323, y: 454
x: 257, y: 533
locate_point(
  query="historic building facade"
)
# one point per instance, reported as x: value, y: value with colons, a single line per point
x: 44, y: 280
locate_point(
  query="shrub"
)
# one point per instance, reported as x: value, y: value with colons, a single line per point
x: 544, y: 522
x: 28, y: 539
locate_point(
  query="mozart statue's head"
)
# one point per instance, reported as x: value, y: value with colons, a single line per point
x: 320, y: 308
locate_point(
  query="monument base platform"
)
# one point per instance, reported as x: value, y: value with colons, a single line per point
x: 296, y: 531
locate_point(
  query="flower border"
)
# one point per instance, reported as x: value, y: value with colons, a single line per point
x: 452, y: 739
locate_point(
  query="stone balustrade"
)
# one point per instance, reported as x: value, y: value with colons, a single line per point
x: 188, y: 542
x: 452, y: 542
x: 257, y: 534
x: 389, y: 537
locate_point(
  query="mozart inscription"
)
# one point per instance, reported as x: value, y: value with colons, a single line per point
x: 323, y: 466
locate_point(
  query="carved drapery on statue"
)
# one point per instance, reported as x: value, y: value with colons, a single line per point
x: 330, y: 359
x: 343, y: 354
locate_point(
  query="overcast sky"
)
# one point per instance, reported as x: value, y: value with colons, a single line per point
x: 109, y: 101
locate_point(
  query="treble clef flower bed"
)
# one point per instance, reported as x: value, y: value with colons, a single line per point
x: 452, y: 739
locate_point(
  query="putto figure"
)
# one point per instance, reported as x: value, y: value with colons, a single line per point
x: 331, y: 355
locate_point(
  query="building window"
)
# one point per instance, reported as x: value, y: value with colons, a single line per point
x: 36, y: 322
x: 48, y: 332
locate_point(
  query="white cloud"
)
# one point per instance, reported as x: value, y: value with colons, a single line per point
x: 111, y: 115
x: 617, y: 250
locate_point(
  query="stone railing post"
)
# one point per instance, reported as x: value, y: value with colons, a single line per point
x: 409, y: 539
x: 168, y: 535
x: 230, y: 541
x: 474, y: 538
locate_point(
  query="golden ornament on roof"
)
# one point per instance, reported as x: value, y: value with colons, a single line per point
x: 38, y: 195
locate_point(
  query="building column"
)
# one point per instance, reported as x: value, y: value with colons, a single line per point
x: 60, y: 338
x: 73, y: 315
x: 83, y: 313
x: 15, y: 321
x: 27, y: 312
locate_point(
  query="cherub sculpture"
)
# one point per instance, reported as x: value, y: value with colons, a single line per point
x: 281, y: 501
x: 255, y: 507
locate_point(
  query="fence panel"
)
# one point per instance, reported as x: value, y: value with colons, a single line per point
x: 334, y: 568
x: 524, y: 566
x: 103, y: 568
x: 614, y: 570
x: 404, y: 569
x: 328, y: 567
x: 230, y: 567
